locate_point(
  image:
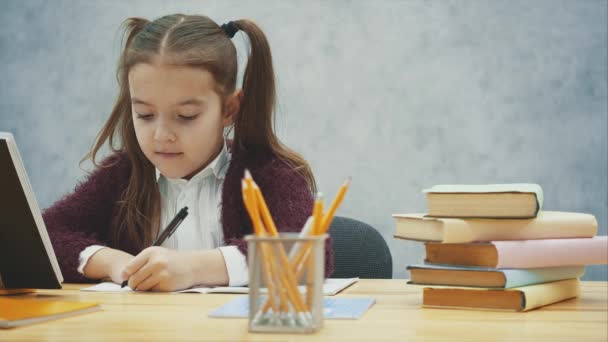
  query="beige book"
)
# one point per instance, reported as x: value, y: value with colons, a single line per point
x: 548, y: 225
x: 516, y: 299
x: 485, y: 201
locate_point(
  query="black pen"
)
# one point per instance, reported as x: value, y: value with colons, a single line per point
x: 170, y: 229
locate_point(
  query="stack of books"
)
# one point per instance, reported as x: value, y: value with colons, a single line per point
x: 493, y: 247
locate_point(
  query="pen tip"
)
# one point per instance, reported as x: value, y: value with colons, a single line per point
x: 319, y: 196
x: 347, y: 182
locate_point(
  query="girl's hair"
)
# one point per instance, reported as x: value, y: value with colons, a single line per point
x: 198, y: 42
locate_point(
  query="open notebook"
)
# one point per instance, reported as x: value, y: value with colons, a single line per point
x: 27, y: 259
x: 331, y: 287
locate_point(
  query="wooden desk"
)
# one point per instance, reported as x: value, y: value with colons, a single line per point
x: 396, y: 316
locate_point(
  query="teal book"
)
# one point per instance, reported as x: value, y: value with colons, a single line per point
x: 333, y: 308
x: 502, y: 278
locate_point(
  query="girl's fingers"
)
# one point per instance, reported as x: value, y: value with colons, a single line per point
x: 135, y: 264
x: 149, y: 283
x: 142, y: 274
x: 157, y: 288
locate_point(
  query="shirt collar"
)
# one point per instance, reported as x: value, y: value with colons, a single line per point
x: 217, y: 167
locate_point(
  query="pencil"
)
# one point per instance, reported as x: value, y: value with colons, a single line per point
x: 334, y: 206
x: 317, y: 213
x: 265, y: 254
x: 289, y: 281
x: 299, y: 260
x: 286, y: 277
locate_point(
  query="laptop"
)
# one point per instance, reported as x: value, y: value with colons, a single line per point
x: 27, y: 259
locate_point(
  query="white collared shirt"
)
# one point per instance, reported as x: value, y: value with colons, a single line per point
x: 201, y: 229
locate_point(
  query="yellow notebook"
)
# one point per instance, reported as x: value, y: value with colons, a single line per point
x: 17, y: 312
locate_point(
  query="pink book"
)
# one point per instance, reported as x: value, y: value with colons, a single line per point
x: 521, y: 253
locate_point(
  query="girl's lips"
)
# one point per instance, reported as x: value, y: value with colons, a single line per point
x: 168, y: 154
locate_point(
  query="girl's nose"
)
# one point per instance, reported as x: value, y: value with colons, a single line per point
x: 164, y: 133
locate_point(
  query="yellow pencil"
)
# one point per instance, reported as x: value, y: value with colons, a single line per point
x: 251, y: 206
x: 289, y: 281
x: 309, y: 282
x: 317, y: 214
x: 275, y: 275
x: 300, y: 259
x: 334, y: 206
x: 265, y: 254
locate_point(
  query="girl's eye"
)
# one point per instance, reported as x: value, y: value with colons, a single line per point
x: 188, y: 117
x: 145, y: 116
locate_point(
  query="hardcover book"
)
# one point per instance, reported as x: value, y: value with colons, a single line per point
x: 490, y: 277
x: 516, y: 299
x: 521, y: 254
x: 485, y: 201
x: 548, y: 225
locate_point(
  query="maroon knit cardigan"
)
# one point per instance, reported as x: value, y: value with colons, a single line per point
x: 82, y: 218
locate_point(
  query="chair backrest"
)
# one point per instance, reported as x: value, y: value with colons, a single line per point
x: 359, y: 250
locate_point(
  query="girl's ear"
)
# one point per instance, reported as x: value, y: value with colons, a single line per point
x: 233, y: 105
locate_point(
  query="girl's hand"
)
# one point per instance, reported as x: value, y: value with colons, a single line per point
x: 120, y: 260
x: 107, y: 263
x: 160, y: 269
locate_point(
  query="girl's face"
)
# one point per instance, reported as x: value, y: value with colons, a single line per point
x: 178, y: 117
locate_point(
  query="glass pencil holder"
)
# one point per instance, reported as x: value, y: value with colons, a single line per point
x: 286, y: 275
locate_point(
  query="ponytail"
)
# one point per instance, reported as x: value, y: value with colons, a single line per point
x: 254, y: 125
x: 132, y: 27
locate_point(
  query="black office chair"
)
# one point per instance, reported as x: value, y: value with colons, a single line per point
x: 359, y: 250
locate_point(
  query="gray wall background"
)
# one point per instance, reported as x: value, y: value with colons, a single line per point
x: 400, y: 95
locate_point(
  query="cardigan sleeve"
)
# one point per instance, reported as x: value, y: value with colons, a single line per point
x: 82, y: 217
x: 290, y: 203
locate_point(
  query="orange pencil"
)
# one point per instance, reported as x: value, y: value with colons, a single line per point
x: 299, y: 260
x: 251, y: 206
x: 265, y: 254
x: 317, y: 213
x: 289, y: 281
x: 334, y: 206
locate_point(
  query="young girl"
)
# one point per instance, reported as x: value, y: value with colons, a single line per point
x: 177, y: 77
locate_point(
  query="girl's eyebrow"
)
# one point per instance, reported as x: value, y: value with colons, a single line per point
x: 135, y: 100
x: 188, y: 101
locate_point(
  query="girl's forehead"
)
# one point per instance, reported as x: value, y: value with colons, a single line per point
x: 169, y: 81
